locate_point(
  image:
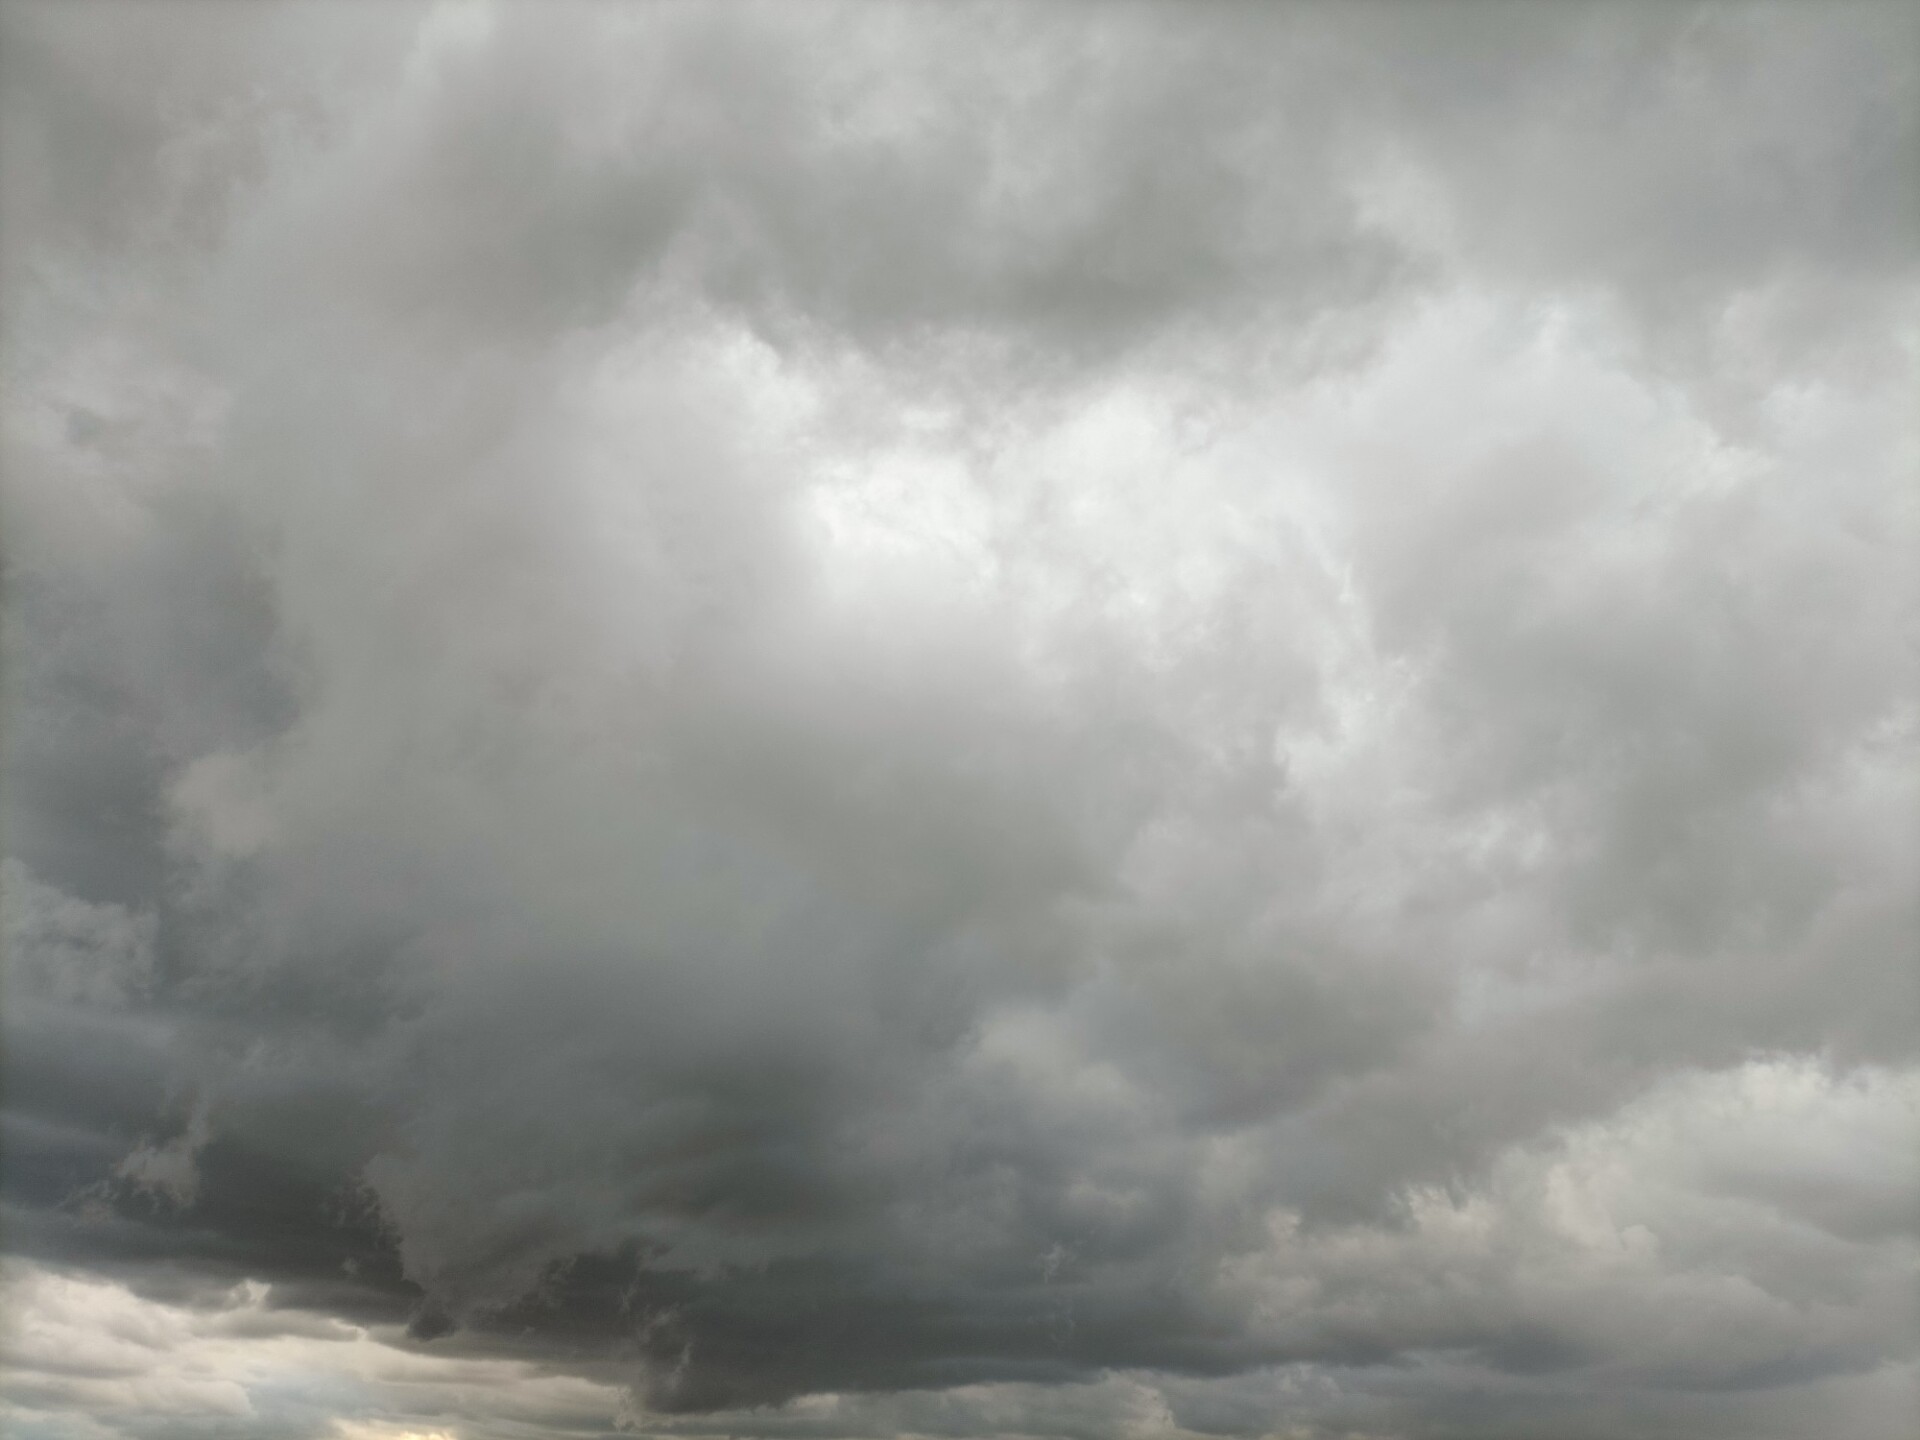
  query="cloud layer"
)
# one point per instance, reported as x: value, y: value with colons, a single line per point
x: 815, y: 721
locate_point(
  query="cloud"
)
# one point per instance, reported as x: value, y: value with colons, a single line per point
x: 974, y: 722
x: 87, y: 1357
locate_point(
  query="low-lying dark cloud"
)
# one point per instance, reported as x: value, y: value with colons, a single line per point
x: 840, y: 721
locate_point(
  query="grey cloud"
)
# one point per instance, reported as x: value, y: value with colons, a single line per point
x: 985, y: 721
x: 873, y: 177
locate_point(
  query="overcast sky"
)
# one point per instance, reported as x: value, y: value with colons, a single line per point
x: 965, y: 720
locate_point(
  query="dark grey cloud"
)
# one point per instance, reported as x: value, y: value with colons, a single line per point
x: 839, y: 721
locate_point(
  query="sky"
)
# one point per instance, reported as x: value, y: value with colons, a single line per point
x: 825, y: 722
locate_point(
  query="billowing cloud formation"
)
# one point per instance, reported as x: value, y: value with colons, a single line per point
x: 814, y: 721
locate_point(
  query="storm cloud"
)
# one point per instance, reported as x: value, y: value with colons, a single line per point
x: 842, y: 721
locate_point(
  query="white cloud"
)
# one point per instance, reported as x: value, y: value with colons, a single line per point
x: 82, y: 1346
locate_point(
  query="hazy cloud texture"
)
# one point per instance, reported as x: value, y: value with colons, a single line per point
x: 835, y: 721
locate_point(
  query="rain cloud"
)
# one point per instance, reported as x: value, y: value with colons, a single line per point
x: 843, y: 721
